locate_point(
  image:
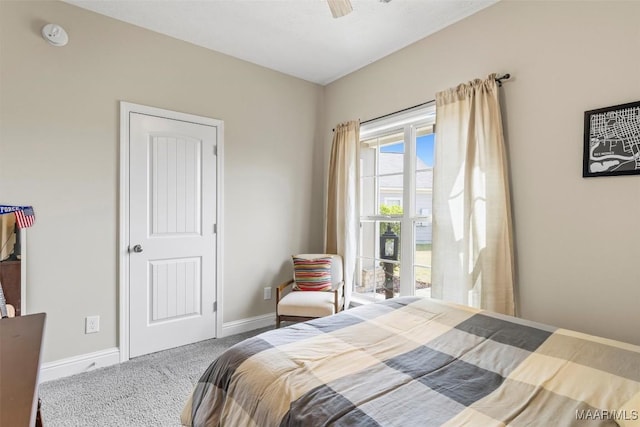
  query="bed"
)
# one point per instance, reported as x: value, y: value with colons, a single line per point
x: 420, y: 362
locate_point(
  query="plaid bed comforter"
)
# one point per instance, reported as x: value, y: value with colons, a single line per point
x: 417, y: 362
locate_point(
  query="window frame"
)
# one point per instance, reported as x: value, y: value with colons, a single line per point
x: 407, y: 123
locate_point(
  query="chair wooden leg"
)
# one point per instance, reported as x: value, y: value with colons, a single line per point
x: 277, y: 322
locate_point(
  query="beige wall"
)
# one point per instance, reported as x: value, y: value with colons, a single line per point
x: 578, y: 240
x: 59, y: 136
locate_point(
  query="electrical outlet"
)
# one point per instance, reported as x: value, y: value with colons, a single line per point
x: 267, y: 293
x: 91, y: 324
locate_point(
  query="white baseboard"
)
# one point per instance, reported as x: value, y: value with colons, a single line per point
x: 78, y: 364
x: 111, y: 356
x: 248, y: 324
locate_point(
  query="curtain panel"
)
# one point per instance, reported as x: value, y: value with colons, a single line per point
x: 473, y: 262
x: 343, y: 200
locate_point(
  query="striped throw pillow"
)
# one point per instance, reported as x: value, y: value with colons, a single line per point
x: 312, y: 274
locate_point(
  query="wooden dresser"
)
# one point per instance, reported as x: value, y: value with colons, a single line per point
x: 20, y: 345
x: 10, y: 279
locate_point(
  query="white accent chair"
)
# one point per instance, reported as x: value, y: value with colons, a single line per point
x: 299, y: 306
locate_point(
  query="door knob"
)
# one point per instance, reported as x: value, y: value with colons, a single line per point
x: 137, y: 248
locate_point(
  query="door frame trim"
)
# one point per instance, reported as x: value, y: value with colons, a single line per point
x: 126, y: 108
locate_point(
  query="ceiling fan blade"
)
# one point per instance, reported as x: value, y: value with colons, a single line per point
x: 340, y: 7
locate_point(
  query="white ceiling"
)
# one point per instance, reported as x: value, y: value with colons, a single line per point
x: 296, y: 37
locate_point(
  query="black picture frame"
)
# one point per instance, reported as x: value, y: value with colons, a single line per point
x: 612, y: 141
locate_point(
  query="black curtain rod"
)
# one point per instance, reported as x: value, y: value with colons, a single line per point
x: 499, y: 79
x: 396, y: 112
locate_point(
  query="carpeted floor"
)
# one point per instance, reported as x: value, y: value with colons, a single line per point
x: 146, y: 391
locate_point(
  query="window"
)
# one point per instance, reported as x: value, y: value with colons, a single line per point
x: 396, y: 181
x: 393, y: 201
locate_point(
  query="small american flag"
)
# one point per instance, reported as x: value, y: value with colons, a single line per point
x: 25, y: 217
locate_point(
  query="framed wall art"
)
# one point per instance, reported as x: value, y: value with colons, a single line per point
x: 612, y: 141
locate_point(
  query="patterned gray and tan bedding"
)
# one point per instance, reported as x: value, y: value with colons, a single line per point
x: 420, y: 362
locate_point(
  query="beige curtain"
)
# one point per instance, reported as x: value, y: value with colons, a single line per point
x: 472, y: 228
x: 343, y: 200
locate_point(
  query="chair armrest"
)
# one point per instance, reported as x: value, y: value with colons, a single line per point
x: 281, y: 287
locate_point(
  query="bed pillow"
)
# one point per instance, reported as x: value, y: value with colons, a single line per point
x: 312, y: 274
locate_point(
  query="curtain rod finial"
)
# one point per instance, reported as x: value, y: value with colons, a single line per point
x: 500, y: 78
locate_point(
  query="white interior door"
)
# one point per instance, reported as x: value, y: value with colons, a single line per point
x: 172, y: 236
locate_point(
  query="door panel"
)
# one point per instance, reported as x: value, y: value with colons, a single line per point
x: 174, y: 289
x: 175, y: 177
x: 172, y: 216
